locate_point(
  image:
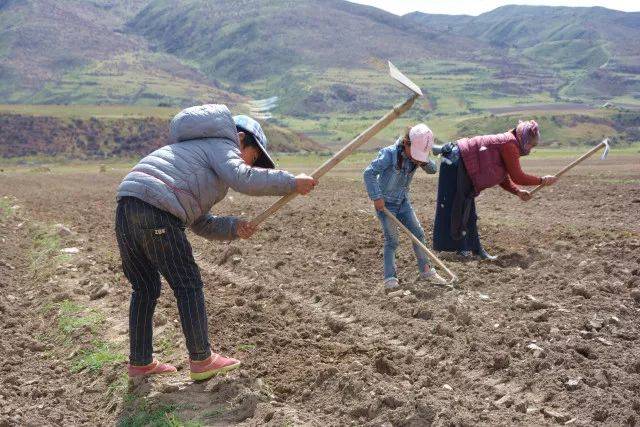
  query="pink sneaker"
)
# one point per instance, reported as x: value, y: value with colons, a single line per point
x: 152, y: 368
x: 216, y: 364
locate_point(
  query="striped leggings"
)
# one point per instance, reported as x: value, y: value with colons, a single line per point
x: 153, y: 242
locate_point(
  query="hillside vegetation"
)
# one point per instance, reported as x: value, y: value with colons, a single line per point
x: 76, y: 52
x: 324, y: 59
x: 27, y: 135
x: 564, y: 129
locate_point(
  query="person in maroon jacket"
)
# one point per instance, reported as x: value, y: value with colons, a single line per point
x: 471, y: 165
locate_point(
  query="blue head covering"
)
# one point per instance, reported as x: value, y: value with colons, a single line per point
x: 248, y: 124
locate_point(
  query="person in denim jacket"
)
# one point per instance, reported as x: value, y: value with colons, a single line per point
x: 387, y: 180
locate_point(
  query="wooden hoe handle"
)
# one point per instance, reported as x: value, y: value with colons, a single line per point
x: 365, y: 136
x: 417, y: 241
x: 575, y: 163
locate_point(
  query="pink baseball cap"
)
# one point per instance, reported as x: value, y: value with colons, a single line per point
x: 421, y: 139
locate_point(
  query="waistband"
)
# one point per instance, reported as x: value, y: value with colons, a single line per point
x: 131, y: 200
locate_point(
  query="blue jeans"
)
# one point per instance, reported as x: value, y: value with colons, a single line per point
x: 404, y: 212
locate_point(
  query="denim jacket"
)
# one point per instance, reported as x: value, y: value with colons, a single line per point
x: 383, y: 178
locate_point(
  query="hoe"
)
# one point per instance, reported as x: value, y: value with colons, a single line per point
x: 361, y: 139
x: 365, y: 136
x: 604, y: 144
x: 452, y: 277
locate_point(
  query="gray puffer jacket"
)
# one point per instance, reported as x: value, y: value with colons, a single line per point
x: 192, y: 174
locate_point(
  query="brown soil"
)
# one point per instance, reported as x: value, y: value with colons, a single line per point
x: 546, y: 335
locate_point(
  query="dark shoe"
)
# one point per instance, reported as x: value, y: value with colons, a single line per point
x: 465, y: 254
x: 485, y: 255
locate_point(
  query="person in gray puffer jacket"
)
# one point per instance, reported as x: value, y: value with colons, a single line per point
x: 171, y: 189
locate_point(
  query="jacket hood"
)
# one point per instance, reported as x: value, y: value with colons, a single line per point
x: 203, y: 121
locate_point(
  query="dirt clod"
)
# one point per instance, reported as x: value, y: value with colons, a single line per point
x: 37, y: 346
x: 61, y: 296
x: 169, y: 388
x: 536, y: 350
x: 594, y: 324
x: 62, y: 230
x: 506, y: 400
x: 585, y: 351
x: 581, y: 290
x: 536, y: 303
x: 558, y: 416
x: 384, y: 366
x: 230, y: 252
x: 422, y: 313
x: 572, y: 384
x: 501, y: 360
x: 99, y: 291
x: 336, y: 325
x: 604, y: 341
x: 600, y: 415
x: 542, y: 317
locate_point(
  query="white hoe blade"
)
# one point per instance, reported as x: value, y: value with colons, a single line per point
x: 606, y: 149
x: 404, y: 80
x: 261, y: 108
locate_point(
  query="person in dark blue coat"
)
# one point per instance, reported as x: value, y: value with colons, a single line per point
x: 448, y: 185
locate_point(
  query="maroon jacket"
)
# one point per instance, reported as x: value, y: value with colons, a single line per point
x: 482, y: 159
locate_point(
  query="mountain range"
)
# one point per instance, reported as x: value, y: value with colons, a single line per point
x: 324, y: 59
x: 50, y: 49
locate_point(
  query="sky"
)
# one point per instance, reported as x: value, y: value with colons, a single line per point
x: 476, y: 7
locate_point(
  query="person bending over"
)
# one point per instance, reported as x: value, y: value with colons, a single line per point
x: 174, y: 188
x: 387, y: 180
x: 471, y: 165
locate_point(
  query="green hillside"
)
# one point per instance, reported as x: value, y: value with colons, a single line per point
x: 580, y: 45
x: 76, y: 52
x: 325, y: 60
x: 527, y: 26
x: 230, y: 44
x: 563, y: 129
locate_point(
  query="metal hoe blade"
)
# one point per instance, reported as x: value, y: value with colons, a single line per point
x: 606, y: 149
x: 263, y: 104
x: 261, y: 108
x: 404, y: 80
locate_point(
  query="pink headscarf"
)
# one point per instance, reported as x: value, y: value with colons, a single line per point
x: 526, y: 132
